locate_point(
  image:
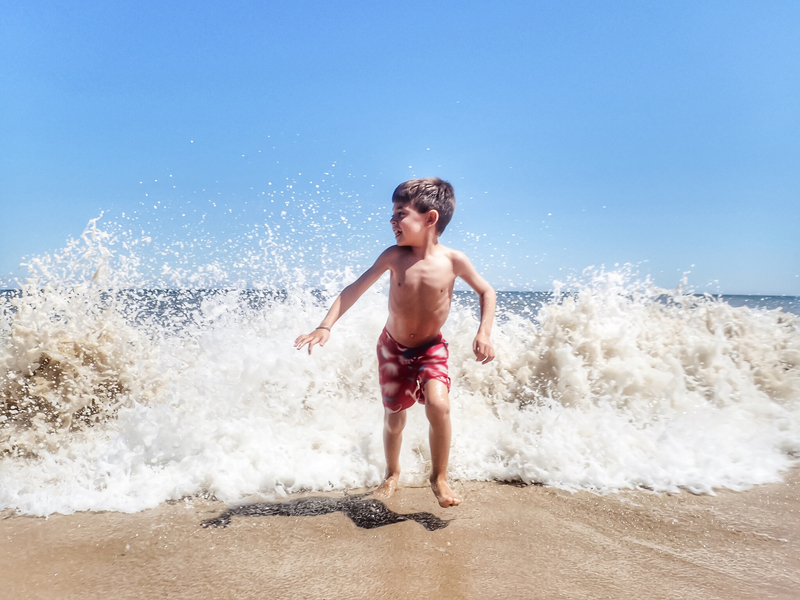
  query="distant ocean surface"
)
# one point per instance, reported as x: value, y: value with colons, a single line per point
x: 119, y: 398
x: 526, y: 302
x: 176, y: 302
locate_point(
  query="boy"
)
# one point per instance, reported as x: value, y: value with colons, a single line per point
x: 412, y: 355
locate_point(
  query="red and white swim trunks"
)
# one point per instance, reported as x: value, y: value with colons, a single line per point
x: 403, y: 372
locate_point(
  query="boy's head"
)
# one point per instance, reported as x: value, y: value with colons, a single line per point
x: 424, y: 195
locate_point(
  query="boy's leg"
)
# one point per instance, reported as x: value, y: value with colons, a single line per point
x: 393, y: 424
x: 437, y: 409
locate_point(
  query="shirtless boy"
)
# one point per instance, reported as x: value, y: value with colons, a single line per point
x: 412, y: 355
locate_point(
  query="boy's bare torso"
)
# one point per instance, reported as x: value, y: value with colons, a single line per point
x: 420, y: 293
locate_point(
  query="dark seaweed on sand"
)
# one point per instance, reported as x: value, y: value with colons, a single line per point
x: 367, y: 513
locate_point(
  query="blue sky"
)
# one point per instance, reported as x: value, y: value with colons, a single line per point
x: 575, y: 133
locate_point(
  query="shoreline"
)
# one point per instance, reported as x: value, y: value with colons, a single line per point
x: 504, y: 541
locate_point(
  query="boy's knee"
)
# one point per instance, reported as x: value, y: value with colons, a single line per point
x: 437, y: 397
x: 393, y: 428
x: 437, y: 408
x: 394, y: 422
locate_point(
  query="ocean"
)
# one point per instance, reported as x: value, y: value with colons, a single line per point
x: 116, y: 396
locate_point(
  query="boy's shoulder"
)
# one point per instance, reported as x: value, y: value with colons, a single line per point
x: 456, y: 256
x: 441, y: 250
x: 393, y: 254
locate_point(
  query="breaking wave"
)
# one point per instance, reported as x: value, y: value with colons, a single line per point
x: 119, y: 397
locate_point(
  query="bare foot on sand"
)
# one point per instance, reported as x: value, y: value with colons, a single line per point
x: 386, y: 489
x: 444, y: 494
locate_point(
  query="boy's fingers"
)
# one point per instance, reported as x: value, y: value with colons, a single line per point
x: 483, y: 355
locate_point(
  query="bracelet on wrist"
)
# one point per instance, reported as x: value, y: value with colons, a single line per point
x: 323, y: 327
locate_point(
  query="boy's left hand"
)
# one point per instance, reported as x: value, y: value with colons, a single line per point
x: 483, y: 349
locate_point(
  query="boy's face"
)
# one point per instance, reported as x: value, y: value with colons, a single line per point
x: 408, y: 224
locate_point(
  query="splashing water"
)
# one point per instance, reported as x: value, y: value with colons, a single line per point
x: 116, y: 397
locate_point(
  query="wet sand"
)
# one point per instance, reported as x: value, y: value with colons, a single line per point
x: 502, y: 542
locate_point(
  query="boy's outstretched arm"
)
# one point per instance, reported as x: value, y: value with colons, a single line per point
x: 344, y: 301
x: 482, y: 345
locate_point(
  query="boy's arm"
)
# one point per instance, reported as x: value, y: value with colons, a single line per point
x: 344, y: 301
x: 482, y: 346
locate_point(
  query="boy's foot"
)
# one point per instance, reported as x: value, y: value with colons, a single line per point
x: 444, y: 494
x: 386, y: 489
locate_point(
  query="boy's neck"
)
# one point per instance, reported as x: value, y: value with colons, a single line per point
x: 427, y: 247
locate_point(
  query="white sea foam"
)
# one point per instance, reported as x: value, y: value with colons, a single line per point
x: 109, y: 403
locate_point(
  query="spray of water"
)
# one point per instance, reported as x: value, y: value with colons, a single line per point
x: 118, y: 396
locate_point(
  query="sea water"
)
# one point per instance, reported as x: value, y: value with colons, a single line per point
x: 117, y: 396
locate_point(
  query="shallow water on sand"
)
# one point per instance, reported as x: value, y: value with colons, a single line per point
x: 503, y: 542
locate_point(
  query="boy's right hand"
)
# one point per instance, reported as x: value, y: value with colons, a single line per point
x: 318, y: 336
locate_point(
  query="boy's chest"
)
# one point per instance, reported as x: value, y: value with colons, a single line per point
x: 422, y: 275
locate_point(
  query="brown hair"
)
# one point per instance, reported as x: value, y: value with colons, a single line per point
x: 426, y: 194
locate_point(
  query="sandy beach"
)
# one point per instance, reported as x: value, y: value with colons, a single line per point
x: 503, y: 542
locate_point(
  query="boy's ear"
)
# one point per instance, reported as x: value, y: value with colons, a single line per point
x: 432, y: 217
